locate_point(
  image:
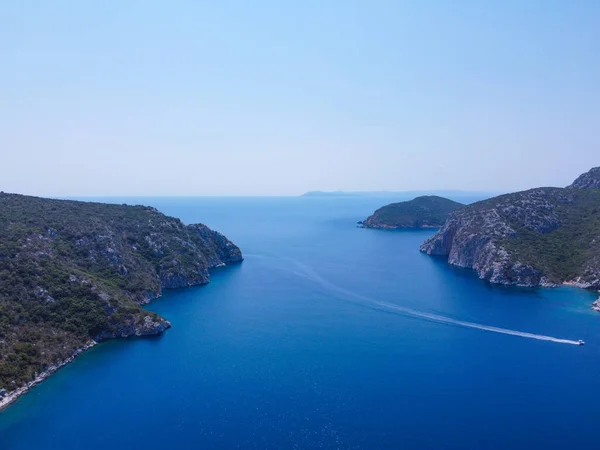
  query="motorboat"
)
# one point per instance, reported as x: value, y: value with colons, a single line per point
x: 580, y: 342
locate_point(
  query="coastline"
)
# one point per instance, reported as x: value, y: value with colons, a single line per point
x: 12, y: 396
x: 578, y: 284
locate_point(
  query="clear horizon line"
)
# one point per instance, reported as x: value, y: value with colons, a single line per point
x: 157, y: 195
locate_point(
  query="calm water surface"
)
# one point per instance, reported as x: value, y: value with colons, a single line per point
x: 300, y: 347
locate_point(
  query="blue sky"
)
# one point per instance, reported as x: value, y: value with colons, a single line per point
x: 278, y: 97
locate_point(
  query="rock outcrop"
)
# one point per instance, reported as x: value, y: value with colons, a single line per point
x: 540, y: 237
x: 588, y: 180
x: 422, y: 212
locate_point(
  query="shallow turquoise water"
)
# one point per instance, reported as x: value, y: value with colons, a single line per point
x: 300, y: 347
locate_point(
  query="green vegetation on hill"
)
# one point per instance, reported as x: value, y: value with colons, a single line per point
x: 562, y: 253
x: 74, y: 271
x: 422, y: 212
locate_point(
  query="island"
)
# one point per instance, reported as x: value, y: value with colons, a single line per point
x: 429, y: 211
x: 75, y: 273
x: 539, y: 237
x: 467, y: 196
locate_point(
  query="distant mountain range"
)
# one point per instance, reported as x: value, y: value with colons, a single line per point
x: 461, y: 196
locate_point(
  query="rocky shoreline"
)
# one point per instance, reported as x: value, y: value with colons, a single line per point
x: 74, y: 271
x: 529, y: 238
x: 9, y: 397
x: 147, y: 327
x: 546, y: 237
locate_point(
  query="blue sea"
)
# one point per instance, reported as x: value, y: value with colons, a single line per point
x: 328, y: 336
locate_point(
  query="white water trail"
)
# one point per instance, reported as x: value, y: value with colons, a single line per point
x: 308, y: 273
x: 477, y: 326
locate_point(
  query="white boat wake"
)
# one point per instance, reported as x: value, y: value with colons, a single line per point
x: 462, y: 323
x: 308, y: 273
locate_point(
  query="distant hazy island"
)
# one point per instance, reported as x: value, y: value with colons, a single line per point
x: 422, y: 212
x: 467, y: 196
x: 74, y: 273
x: 540, y: 237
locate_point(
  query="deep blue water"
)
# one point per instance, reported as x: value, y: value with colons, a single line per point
x: 296, y: 348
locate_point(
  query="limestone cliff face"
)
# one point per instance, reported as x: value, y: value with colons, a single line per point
x: 204, y: 249
x: 148, y: 325
x: 544, y: 236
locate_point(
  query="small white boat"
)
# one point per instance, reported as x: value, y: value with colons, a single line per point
x: 580, y: 342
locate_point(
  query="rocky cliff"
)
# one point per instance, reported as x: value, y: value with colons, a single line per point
x: 423, y: 212
x: 74, y: 271
x: 544, y: 236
